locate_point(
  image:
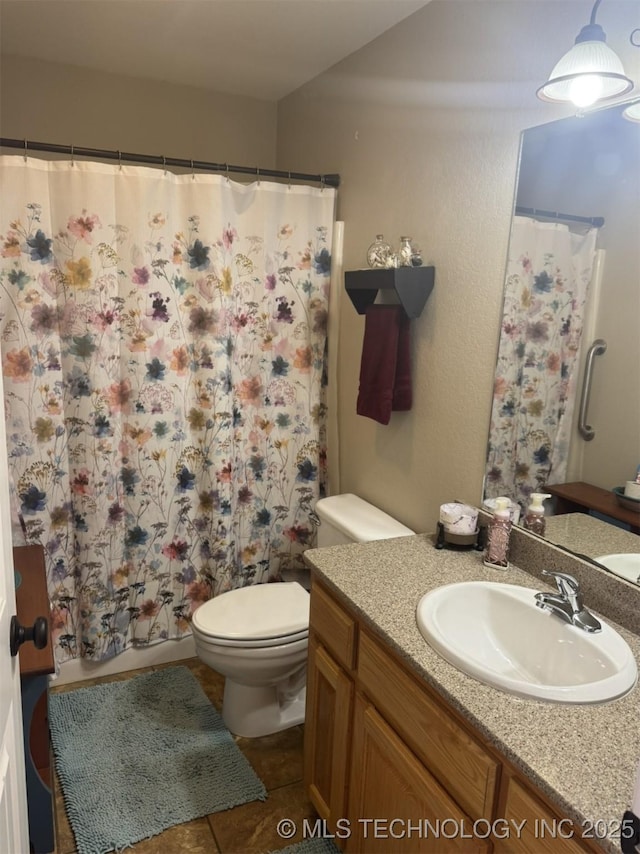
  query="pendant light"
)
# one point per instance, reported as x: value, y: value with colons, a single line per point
x: 590, y: 72
x: 632, y: 113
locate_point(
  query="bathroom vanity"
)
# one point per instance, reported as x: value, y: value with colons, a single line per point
x: 404, y: 752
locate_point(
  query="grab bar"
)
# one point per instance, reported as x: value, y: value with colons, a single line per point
x: 597, y: 349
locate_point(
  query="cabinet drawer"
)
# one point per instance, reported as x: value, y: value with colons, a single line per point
x: 333, y: 626
x: 541, y: 832
x: 460, y: 763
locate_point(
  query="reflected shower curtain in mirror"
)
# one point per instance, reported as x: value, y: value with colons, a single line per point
x: 549, y: 269
x: 163, y: 342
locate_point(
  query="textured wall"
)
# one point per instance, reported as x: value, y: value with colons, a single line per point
x: 423, y: 125
x: 52, y: 102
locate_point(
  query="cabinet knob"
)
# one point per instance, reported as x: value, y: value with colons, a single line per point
x: 38, y: 633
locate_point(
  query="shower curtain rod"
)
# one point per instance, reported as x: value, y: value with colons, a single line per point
x: 332, y: 180
x: 595, y: 221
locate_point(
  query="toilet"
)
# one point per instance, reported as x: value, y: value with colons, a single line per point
x: 257, y: 636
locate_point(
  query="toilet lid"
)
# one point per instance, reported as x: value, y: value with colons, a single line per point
x: 255, y: 613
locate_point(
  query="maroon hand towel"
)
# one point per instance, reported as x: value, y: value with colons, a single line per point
x: 402, y: 397
x: 385, y: 367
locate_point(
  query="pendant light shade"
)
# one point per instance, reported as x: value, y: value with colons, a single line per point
x: 632, y: 113
x: 590, y: 72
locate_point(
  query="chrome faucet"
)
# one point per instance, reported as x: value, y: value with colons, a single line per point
x: 567, y: 602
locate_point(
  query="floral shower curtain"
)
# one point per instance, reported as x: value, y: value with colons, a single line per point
x: 548, y: 274
x: 163, y: 343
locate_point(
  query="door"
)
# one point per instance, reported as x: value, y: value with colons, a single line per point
x: 14, y: 836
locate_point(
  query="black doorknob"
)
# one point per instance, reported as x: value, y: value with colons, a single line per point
x: 38, y: 633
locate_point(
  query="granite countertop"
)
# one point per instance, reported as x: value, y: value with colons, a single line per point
x: 589, y: 536
x: 583, y: 757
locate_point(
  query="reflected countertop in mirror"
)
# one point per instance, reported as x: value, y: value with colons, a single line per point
x: 586, y: 535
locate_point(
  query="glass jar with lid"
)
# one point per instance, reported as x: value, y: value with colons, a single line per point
x: 378, y: 252
x: 405, y: 252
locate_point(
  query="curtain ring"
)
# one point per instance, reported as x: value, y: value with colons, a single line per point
x: 226, y: 169
x: 73, y: 162
x: 289, y: 180
x: 120, y: 161
x: 258, y: 175
x: 25, y: 151
x: 164, y: 164
x: 322, y: 184
x: 193, y: 174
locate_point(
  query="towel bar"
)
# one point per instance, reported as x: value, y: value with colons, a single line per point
x: 413, y: 285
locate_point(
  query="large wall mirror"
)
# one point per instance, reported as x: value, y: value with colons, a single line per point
x: 572, y: 277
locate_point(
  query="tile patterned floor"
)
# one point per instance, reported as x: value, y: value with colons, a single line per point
x: 247, y: 829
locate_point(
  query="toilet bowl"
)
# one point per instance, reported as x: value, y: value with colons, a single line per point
x: 257, y: 636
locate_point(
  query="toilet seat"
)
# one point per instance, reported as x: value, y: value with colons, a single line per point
x: 261, y: 615
x: 261, y: 643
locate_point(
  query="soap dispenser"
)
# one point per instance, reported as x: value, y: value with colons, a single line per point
x: 534, y: 519
x: 498, y: 533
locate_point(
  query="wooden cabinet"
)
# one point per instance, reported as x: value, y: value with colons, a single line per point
x: 447, y: 750
x: 387, y: 758
x: 394, y: 802
x: 327, y: 735
x: 335, y: 628
x: 541, y: 831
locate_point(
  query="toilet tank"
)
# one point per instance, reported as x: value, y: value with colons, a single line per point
x: 349, y: 519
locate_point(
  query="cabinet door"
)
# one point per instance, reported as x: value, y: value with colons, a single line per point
x: 461, y: 764
x: 395, y: 804
x: 539, y: 829
x: 326, y: 737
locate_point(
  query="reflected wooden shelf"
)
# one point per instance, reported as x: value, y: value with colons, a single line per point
x: 580, y: 497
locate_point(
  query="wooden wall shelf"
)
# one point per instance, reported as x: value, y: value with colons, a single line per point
x: 413, y: 285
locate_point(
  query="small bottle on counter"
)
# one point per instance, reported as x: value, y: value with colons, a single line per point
x: 498, y: 533
x: 534, y: 519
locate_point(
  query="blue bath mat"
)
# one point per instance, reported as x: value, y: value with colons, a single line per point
x: 138, y: 756
x: 318, y: 845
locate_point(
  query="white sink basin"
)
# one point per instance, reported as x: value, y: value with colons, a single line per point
x: 625, y: 565
x: 496, y: 633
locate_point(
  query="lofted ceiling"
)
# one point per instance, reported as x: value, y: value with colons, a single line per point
x: 260, y: 48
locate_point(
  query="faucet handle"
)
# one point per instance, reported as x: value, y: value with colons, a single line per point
x: 567, y: 585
